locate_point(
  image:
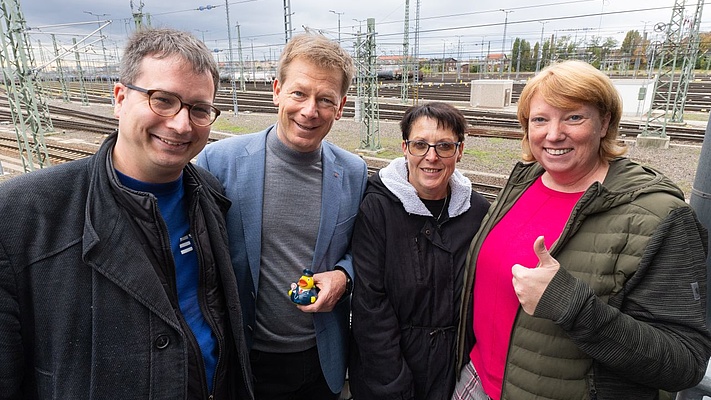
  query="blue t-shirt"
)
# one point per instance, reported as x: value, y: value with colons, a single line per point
x: 174, y: 209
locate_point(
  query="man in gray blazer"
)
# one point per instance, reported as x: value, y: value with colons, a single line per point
x: 294, y: 201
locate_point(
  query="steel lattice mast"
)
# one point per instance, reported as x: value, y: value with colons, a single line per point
x: 137, y: 13
x: 370, y: 128
x: 668, y: 100
x: 690, y: 54
x: 287, y: 21
x: 416, y: 55
x: 29, y: 113
x: 404, y: 69
x: 360, y: 72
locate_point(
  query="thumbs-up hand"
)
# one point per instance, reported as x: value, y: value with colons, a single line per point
x: 530, y: 283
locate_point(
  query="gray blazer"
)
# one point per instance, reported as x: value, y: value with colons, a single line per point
x: 238, y: 162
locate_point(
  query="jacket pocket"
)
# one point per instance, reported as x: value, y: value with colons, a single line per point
x: 418, y: 259
x: 345, y: 226
x: 341, y: 239
x: 45, y: 384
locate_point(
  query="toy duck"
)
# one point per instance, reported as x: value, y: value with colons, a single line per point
x: 305, y: 292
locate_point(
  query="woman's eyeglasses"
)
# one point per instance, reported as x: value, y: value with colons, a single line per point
x: 419, y: 148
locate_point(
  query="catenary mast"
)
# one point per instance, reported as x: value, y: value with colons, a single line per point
x: 29, y: 112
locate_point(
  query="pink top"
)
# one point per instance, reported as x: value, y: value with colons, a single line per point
x: 539, y: 211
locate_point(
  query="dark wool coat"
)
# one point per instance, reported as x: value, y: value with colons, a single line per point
x: 84, y: 313
x: 406, y: 296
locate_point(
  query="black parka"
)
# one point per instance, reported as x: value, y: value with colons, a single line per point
x: 408, y: 282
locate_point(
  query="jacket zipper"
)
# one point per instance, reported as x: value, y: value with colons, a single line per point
x: 174, y: 292
x: 202, y: 300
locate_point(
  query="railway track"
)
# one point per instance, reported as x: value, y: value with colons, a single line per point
x: 628, y: 130
x: 489, y: 123
x: 259, y: 100
x: 68, y: 119
x: 57, y: 153
x: 698, y: 96
x: 483, y: 123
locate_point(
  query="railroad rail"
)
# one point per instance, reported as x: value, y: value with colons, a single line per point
x: 63, y: 153
x: 57, y: 153
x: 698, y: 97
x: 68, y: 119
x: 485, y: 123
x: 497, y: 122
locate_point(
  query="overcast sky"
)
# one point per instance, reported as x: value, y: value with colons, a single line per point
x: 458, y: 28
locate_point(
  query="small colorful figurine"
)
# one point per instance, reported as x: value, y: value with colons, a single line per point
x: 305, y: 293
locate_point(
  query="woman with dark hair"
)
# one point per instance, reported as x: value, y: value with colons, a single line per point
x: 409, y: 246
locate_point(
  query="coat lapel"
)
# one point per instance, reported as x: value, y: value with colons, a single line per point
x: 330, y: 204
x: 115, y: 254
x: 251, y: 201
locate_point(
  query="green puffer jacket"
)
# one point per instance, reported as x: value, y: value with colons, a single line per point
x: 625, y: 315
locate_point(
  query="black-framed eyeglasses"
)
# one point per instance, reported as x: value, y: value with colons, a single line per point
x: 168, y: 104
x: 419, y: 148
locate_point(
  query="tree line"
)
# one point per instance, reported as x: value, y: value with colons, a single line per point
x: 636, y: 52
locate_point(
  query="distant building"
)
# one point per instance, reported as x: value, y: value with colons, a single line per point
x: 449, y: 63
x: 494, y: 61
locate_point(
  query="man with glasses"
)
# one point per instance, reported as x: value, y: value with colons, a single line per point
x: 295, y: 197
x: 115, y: 273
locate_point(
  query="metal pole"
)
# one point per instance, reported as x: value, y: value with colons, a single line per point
x: 339, y: 23
x: 484, y: 61
x: 488, y: 53
x: 103, y: 50
x: 444, y: 44
x: 203, y: 33
x: 503, y: 41
x: 539, y: 56
x: 233, y: 86
x: 404, y: 65
x: 254, y: 73
x: 459, y: 57
x: 287, y: 21
x: 700, y: 200
x: 80, y: 75
x: 242, y: 85
x: 644, y: 44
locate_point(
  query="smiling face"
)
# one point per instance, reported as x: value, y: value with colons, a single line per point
x: 567, y: 142
x: 309, y: 100
x: 429, y: 174
x: 152, y: 148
